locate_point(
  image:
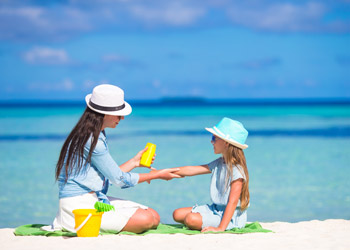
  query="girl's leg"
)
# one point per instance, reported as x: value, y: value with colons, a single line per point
x: 180, y: 214
x: 142, y: 220
x: 194, y: 221
x: 185, y: 216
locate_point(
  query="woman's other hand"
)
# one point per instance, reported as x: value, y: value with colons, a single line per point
x: 138, y: 156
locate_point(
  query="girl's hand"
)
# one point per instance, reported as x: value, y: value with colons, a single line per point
x: 212, y: 229
x: 164, y: 174
x: 168, y: 174
x: 138, y: 156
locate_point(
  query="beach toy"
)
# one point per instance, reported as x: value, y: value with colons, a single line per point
x: 87, y: 222
x: 103, y: 207
x: 147, y: 156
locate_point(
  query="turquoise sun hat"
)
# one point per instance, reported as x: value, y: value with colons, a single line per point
x: 230, y: 131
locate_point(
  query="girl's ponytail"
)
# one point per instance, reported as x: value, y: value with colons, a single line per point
x: 234, y: 157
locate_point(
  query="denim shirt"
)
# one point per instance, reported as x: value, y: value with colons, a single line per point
x: 96, y: 175
x: 219, y: 192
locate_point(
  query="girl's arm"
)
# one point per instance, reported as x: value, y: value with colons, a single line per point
x: 170, y: 173
x: 235, y: 192
x: 164, y: 174
x: 193, y: 170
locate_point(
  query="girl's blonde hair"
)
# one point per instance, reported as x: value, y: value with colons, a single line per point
x: 234, y: 157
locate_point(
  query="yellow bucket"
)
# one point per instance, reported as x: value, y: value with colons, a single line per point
x: 87, y: 222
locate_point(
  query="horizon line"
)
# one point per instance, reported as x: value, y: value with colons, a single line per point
x: 183, y: 101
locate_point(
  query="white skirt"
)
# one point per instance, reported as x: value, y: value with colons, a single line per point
x: 112, y: 221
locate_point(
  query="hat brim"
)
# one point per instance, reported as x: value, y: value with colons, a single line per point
x: 234, y: 143
x: 123, y: 112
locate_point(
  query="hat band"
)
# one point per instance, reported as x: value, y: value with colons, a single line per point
x: 102, y: 108
x: 227, y: 136
x: 222, y: 134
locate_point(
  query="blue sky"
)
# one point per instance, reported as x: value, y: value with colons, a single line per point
x: 59, y: 50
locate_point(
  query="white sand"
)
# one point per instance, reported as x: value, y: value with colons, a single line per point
x: 329, y: 234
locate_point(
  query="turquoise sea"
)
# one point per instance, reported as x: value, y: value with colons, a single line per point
x: 298, y: 157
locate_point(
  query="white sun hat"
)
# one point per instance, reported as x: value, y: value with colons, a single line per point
x: 108, y: 99
x: 230, y: 131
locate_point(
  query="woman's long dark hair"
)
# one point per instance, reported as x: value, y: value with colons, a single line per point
x: 72, y: 152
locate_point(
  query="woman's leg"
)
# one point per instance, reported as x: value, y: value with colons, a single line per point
x: 142, y: 220
x: 180, y: 214
x: 156, y: 217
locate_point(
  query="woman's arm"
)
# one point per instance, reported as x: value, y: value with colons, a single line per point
x: 193, y: 170
x: 235, y: 193
x: 134, y: 162
x: 128, y: 166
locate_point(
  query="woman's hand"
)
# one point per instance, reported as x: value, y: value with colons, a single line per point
x: 168, y: 174
x: 212, y: 229
x: 137, y: 159
x: 164, y: 174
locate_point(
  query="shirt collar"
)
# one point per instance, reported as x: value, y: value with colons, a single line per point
x: 102, y: 135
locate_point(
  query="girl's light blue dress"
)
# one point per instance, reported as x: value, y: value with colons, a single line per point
x: 219, y: 194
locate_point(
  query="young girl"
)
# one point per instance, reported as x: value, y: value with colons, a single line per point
x: 85, y: 168
x: 229, y: 189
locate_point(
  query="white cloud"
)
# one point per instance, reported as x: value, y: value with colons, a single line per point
x: 176, y: 14
x: 89, y: 85
x: 259, y: 64
x: 66, y: 85
x: 196, y: 92
x: 28, y: 20
x: 114, y: 58
x: 30, y: 13
x: 122, y: 60
x: 310, y: 83
x: 280, y: 16
x: 255, y: 64
x: 156, y: 84
x: 41, y: 22
x: 45, y: 55
x: 250, y: 82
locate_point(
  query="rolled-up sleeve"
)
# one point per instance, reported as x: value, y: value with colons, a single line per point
x: 104, y: 163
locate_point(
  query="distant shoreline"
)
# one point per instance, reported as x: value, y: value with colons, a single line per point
x: 181, y: 102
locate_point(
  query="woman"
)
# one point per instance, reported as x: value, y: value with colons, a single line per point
x: 85, y: 168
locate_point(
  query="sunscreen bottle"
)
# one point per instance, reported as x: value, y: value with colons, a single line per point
x: 147, y: 156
